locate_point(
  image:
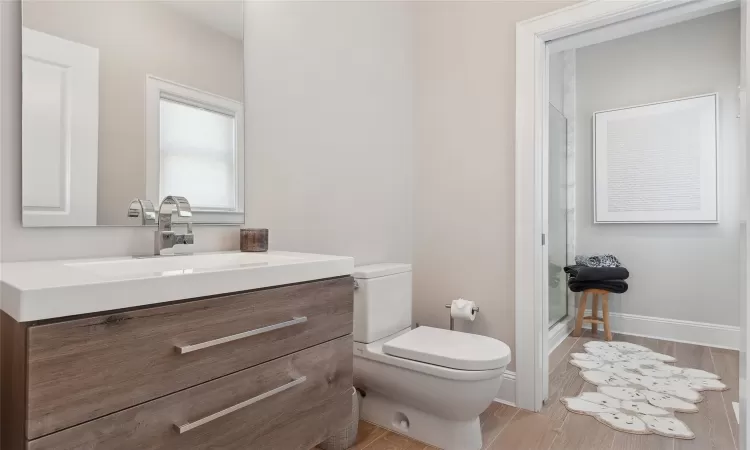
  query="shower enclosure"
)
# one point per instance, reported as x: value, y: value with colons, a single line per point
x: 557, y: 216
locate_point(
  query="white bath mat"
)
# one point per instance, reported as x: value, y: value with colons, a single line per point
x: 637, y: 390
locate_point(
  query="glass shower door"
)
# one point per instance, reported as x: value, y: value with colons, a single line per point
x: 557, y: 214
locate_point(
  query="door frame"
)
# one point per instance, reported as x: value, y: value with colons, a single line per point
x: 585, y: 23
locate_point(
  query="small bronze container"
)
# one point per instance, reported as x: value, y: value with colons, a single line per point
x: 254, y: 239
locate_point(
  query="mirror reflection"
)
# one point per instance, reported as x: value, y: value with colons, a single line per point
x: 127, y: 100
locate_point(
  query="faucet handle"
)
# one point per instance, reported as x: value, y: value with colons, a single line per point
x: 144, y: 209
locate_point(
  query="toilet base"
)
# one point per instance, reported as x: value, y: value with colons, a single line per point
x: 419, y: 425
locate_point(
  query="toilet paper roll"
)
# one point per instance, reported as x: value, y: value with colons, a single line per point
x: 463, y: 309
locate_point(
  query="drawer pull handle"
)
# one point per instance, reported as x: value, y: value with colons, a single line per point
x: 182, y: 349
x: 191, y: 425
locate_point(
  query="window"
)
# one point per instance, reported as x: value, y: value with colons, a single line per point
x: 195, y: 150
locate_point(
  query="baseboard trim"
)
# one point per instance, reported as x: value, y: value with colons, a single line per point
x: 699, y: 333
x: 507, y: 392
x: 559, y: 332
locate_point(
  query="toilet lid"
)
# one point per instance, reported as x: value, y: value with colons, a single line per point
x: 448, y: 348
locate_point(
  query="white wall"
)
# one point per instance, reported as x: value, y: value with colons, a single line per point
x: 330, y: 115
x: 678, y: 271
x: 329, y: 112
x: 464, y: 165
x: 167, y: 44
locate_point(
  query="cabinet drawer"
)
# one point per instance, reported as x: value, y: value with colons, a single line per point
x: 290, y: 403
x: 82, y: 369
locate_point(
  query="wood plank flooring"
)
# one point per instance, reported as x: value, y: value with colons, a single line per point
x: 555, y: 428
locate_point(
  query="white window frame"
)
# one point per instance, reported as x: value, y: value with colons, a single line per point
x: 158, y: 88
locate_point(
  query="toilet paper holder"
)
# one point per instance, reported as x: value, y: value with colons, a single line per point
x: 474, y: 310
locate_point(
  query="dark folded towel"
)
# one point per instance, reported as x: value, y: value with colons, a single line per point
x: 614, y: 286
x: 603, y: 260
x: 584, y: 273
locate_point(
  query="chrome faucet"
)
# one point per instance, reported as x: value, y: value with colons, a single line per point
x: 143, y: 209
x: 164, y: 237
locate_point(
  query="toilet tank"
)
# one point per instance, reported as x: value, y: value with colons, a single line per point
x: 382, y: 300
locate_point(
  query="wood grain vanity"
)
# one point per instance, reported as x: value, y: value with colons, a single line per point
x: 260, y: 369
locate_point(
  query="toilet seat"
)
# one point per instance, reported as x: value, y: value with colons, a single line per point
x: 374, y: 351
x: 447, y: 348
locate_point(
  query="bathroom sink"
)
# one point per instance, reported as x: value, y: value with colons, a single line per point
x: 179, y: 264
x: 39, y: 290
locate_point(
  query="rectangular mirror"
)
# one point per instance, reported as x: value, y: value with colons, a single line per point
x: 131, y: 99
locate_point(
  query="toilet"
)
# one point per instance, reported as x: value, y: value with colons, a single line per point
x: 426, y: 383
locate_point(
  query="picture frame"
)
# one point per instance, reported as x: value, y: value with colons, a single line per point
x: 657, y: 163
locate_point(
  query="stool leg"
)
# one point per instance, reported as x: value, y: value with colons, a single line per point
x: 605, y: 311
x: 579, y: 316
x: 595, y: 313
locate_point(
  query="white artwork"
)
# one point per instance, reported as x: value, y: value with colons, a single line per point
x: 657, y: 162
x: 639, y: 392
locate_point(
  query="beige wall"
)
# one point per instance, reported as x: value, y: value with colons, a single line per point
x: 678, y: 271
x: 135, y: 39
x: 330, y: 119
x: 464, y: 163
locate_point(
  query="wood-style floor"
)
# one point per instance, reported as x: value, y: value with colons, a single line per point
x: 554, y: 428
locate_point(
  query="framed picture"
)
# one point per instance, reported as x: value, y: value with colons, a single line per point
x: 657, y: 163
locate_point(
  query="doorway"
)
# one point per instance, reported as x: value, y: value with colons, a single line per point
x: 576, y: 26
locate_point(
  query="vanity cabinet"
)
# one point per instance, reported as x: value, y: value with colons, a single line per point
x: 264, y: 369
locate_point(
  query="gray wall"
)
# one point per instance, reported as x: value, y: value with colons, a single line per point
x: 136, y: 39
x: 679, y: 271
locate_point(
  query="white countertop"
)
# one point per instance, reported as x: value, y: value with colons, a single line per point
x: 39, y: 290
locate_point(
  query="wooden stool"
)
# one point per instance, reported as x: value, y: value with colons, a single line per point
x: 594, y: 319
